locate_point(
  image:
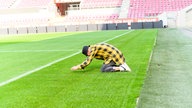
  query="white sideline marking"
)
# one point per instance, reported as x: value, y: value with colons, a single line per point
x: 151, y: 54
x: 37, y: 69
x: 49, y: 64
x: 116, y: 37
x: 1, y: 51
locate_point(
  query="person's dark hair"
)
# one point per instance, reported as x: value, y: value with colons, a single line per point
x: 85, y: 50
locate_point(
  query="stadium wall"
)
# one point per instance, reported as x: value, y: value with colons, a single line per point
x: 63, y: 28
x: 171, y: 19
x: 147, y: 25
x: 82, y: 27
x: 163, y: 17
x: 184, y: 17
x: 189, y: 18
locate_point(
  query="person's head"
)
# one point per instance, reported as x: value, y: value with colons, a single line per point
x: 86, y: 50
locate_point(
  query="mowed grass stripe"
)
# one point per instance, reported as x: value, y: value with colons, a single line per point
x: 26, y: 61
x: 34, y: 37
x: 57, y: 86
x: 35, y: 70
x: 12, y: 51
x: 46, y: 65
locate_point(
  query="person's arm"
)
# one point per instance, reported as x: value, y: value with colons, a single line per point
x: 86, y: 62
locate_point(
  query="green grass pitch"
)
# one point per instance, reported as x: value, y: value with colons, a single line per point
x: 56, y: 86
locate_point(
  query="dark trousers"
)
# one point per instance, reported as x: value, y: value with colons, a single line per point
x: 108, y: 67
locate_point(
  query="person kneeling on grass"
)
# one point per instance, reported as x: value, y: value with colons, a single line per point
x: 114, y: 60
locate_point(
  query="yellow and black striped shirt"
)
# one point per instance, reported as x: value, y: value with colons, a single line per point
x: 104, y: 52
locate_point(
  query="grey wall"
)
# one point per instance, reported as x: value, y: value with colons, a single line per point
x: 147, y: 25
x: 82, y: 28
x: 3, y: 31
x: 111, y: 27
x: 22, y: 30
x: 50, y: 29
x: 158, y: 24
x: 92, y: 27
x: 136, y: 25
x: 102, y: 27
x: 41, y: 29
x: 71, y: 28
x: 12, y: 31
x: 32, y: 30
x: 60, y: 29
x: 122, y: 26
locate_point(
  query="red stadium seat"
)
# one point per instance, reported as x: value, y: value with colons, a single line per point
x: 141, y: 8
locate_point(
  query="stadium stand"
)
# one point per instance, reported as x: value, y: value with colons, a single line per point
x: 95, y: 10
x: 24, y: 19
x: 24, y: 13
x: 148, y: 8
x: 35, y: 13
x: 93, y: 14
x: 87, y: 4
x: 6, y: 3
x: 33, y: 3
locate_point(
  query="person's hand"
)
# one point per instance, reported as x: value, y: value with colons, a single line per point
x: 75, y: 68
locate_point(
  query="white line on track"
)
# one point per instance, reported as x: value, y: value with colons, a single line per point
x: 51, y: 63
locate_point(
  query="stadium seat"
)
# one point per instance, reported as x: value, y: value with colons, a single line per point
x: 33, y: 3
x: 100, y: 3
x: 93, y: 14
x: 30, y: 15
x: 148, y: 8
x: 4, y: 4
